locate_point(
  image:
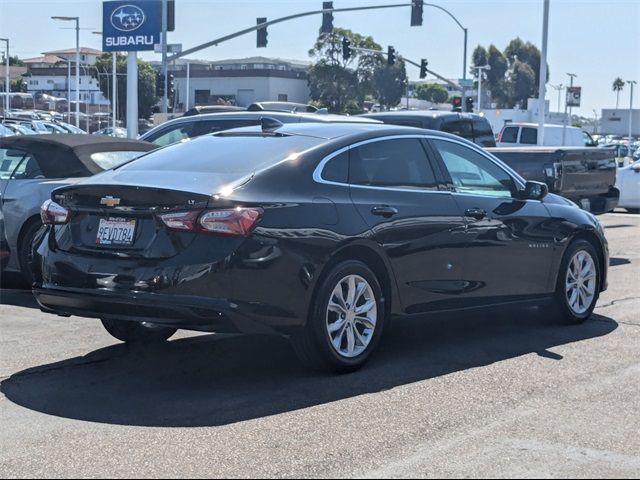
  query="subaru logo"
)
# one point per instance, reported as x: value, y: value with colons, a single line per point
x: 127, y: 18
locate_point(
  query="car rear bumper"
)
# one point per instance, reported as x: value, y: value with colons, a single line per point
x: 179, y: 311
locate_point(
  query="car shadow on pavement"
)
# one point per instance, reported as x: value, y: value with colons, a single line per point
x: 216, y: 380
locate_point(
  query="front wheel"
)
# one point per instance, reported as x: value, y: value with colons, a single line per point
x: 578, y: 284
x: 134, y: 332
x: 346, y: 320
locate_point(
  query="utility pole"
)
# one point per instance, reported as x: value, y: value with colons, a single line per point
x: 480, y: 69
x: 566, y: 119
x: 77, y: 20
x: 132, y: 95
x: 165, y: 66
x: 631, y: 83
x: 542, y: 87
x: 559, y: 89
x: 7, y: 88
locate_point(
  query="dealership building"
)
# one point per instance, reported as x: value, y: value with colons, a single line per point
x: 239, y: 81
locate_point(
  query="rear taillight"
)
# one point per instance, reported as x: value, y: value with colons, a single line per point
x: 234, y: 222
x: 53, y: 214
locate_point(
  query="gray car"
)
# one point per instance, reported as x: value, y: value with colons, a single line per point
x: 31, y: 167
x: 184, y: 128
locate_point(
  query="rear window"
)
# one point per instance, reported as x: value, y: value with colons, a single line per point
x: 233, y: 154
x: 529, y: 136
x: 109, y: 160
x: 482, y: 127
x: 461, y: 128
x: 510, y: 135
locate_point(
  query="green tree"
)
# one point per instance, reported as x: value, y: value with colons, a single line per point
x: 522, y: 81
x: 390, y: 82
x: 338, y: 84
x: 618, y: 86
x: 146, y: 84
x: 432, y: 92
x: 526, y: 52
x: 18, y: 86
x: 496, y: 77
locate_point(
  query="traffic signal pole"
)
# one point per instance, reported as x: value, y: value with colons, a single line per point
x: 165, y: 65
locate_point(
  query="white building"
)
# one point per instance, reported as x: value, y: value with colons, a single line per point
x: 49, y: 74
x: 240, y: 82
x: 616, y: 122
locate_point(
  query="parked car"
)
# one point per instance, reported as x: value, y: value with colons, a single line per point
x: 514, y: 134
x: 70, y: 128
x: 32, y: 166
x: 586, y: 176
x: 5, y: 131
x: 19, y: 129
x: 474, y: 128
x: 5, y: 251
x: 117, y: 132
x: 183, y: 128
x: 202, y: 110
x: 621, y: 152
x: 290, y: 107
x: 321, y: 232
x: 629, y: 185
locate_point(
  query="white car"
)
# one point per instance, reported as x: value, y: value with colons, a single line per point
x: 628, y: 182
x: 515, y: 134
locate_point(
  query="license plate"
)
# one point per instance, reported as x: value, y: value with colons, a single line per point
x: 116, y: 231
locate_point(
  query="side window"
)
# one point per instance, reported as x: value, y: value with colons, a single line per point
x: 172, y: 135
x: 337, y: 169
x: 28, y: 169
x: 391, y: 163
x: 472, y: 172
x: 10, y: 159
x: 510, y: 135
x: 529, y: 136
x: 213, y: 126
x: 461, y: 128
x: 483, y: 133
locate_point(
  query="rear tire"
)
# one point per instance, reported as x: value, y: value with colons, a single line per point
x: 134, y: 332
x: 25, y: 251
x: 346, y: 320
x: 578, y: 284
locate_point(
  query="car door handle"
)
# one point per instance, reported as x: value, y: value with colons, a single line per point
x: 384, y: 211
x: 476, y: 213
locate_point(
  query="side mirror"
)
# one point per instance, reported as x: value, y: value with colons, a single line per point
x: 535, y: 191
x: 636, y: 167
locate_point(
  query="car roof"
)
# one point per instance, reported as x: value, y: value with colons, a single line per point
x: 74, y: 141
x: 529, y: 124
x: 422, y: 114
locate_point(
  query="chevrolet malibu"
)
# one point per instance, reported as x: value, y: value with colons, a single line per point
x: 321, y: 233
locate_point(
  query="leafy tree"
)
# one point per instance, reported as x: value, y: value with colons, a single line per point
x: 522, y: 81
x: 618, y: 86
x: 432, y: 92
x: 390, y: 82
x: 526, y: 52
x: 18, y: 86
x: 338, y: 84
x: 146, y: 83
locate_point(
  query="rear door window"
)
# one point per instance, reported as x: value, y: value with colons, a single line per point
x: 391, y: 163
x: 529, y: 136
x: 461, y: 128
x: 337, y: 169
x: 510, y: 135
x: 171, y: 135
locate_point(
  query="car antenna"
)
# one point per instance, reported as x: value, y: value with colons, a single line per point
x: 269, y: 124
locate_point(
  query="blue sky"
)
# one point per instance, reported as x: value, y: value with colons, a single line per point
x: 596, y: 39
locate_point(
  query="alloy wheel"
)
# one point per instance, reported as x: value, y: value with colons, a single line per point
x: 581, y: 282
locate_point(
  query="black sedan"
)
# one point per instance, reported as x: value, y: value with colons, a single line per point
x: 323, y: 233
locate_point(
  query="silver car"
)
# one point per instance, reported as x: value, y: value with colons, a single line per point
x: 31, y: 167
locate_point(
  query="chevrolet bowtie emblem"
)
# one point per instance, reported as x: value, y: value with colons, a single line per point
x: 110, y: 201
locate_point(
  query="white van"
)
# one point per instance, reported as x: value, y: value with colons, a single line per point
x: 527, y: 134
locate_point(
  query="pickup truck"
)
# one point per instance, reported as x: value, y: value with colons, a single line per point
x: 587, y: 176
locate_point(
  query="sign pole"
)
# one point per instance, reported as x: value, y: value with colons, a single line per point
x: 115, y: 89
x: 165, y: 69
x: 132, y: 95
x: 542, y: 87
x: 566, y: 106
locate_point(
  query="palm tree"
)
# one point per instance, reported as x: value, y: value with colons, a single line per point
x: 618, y: 86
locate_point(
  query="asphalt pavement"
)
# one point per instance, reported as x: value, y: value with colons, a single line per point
x: 503, y: 394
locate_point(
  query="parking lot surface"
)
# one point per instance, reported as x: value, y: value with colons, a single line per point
x: 504, y: 394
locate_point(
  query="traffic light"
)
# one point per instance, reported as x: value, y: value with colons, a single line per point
x: 417, y: 7
x: 171, y: 88
x: 171, y: 16
x: 347, y: 53
x: 469, y: 105
x: 391, y: 56
x: 262, y: 33
x: 160, y: 85
x: 456, y: 103
x: 423, y: 68
x: 327, y: 18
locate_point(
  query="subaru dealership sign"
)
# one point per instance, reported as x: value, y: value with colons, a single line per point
x: 131, y: 26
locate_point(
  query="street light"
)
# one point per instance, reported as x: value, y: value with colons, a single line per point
x: 7, y: 88
x: 559, y: 88
x: 480, y: 69
x: 114, y: 81
x: 77, y: 20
